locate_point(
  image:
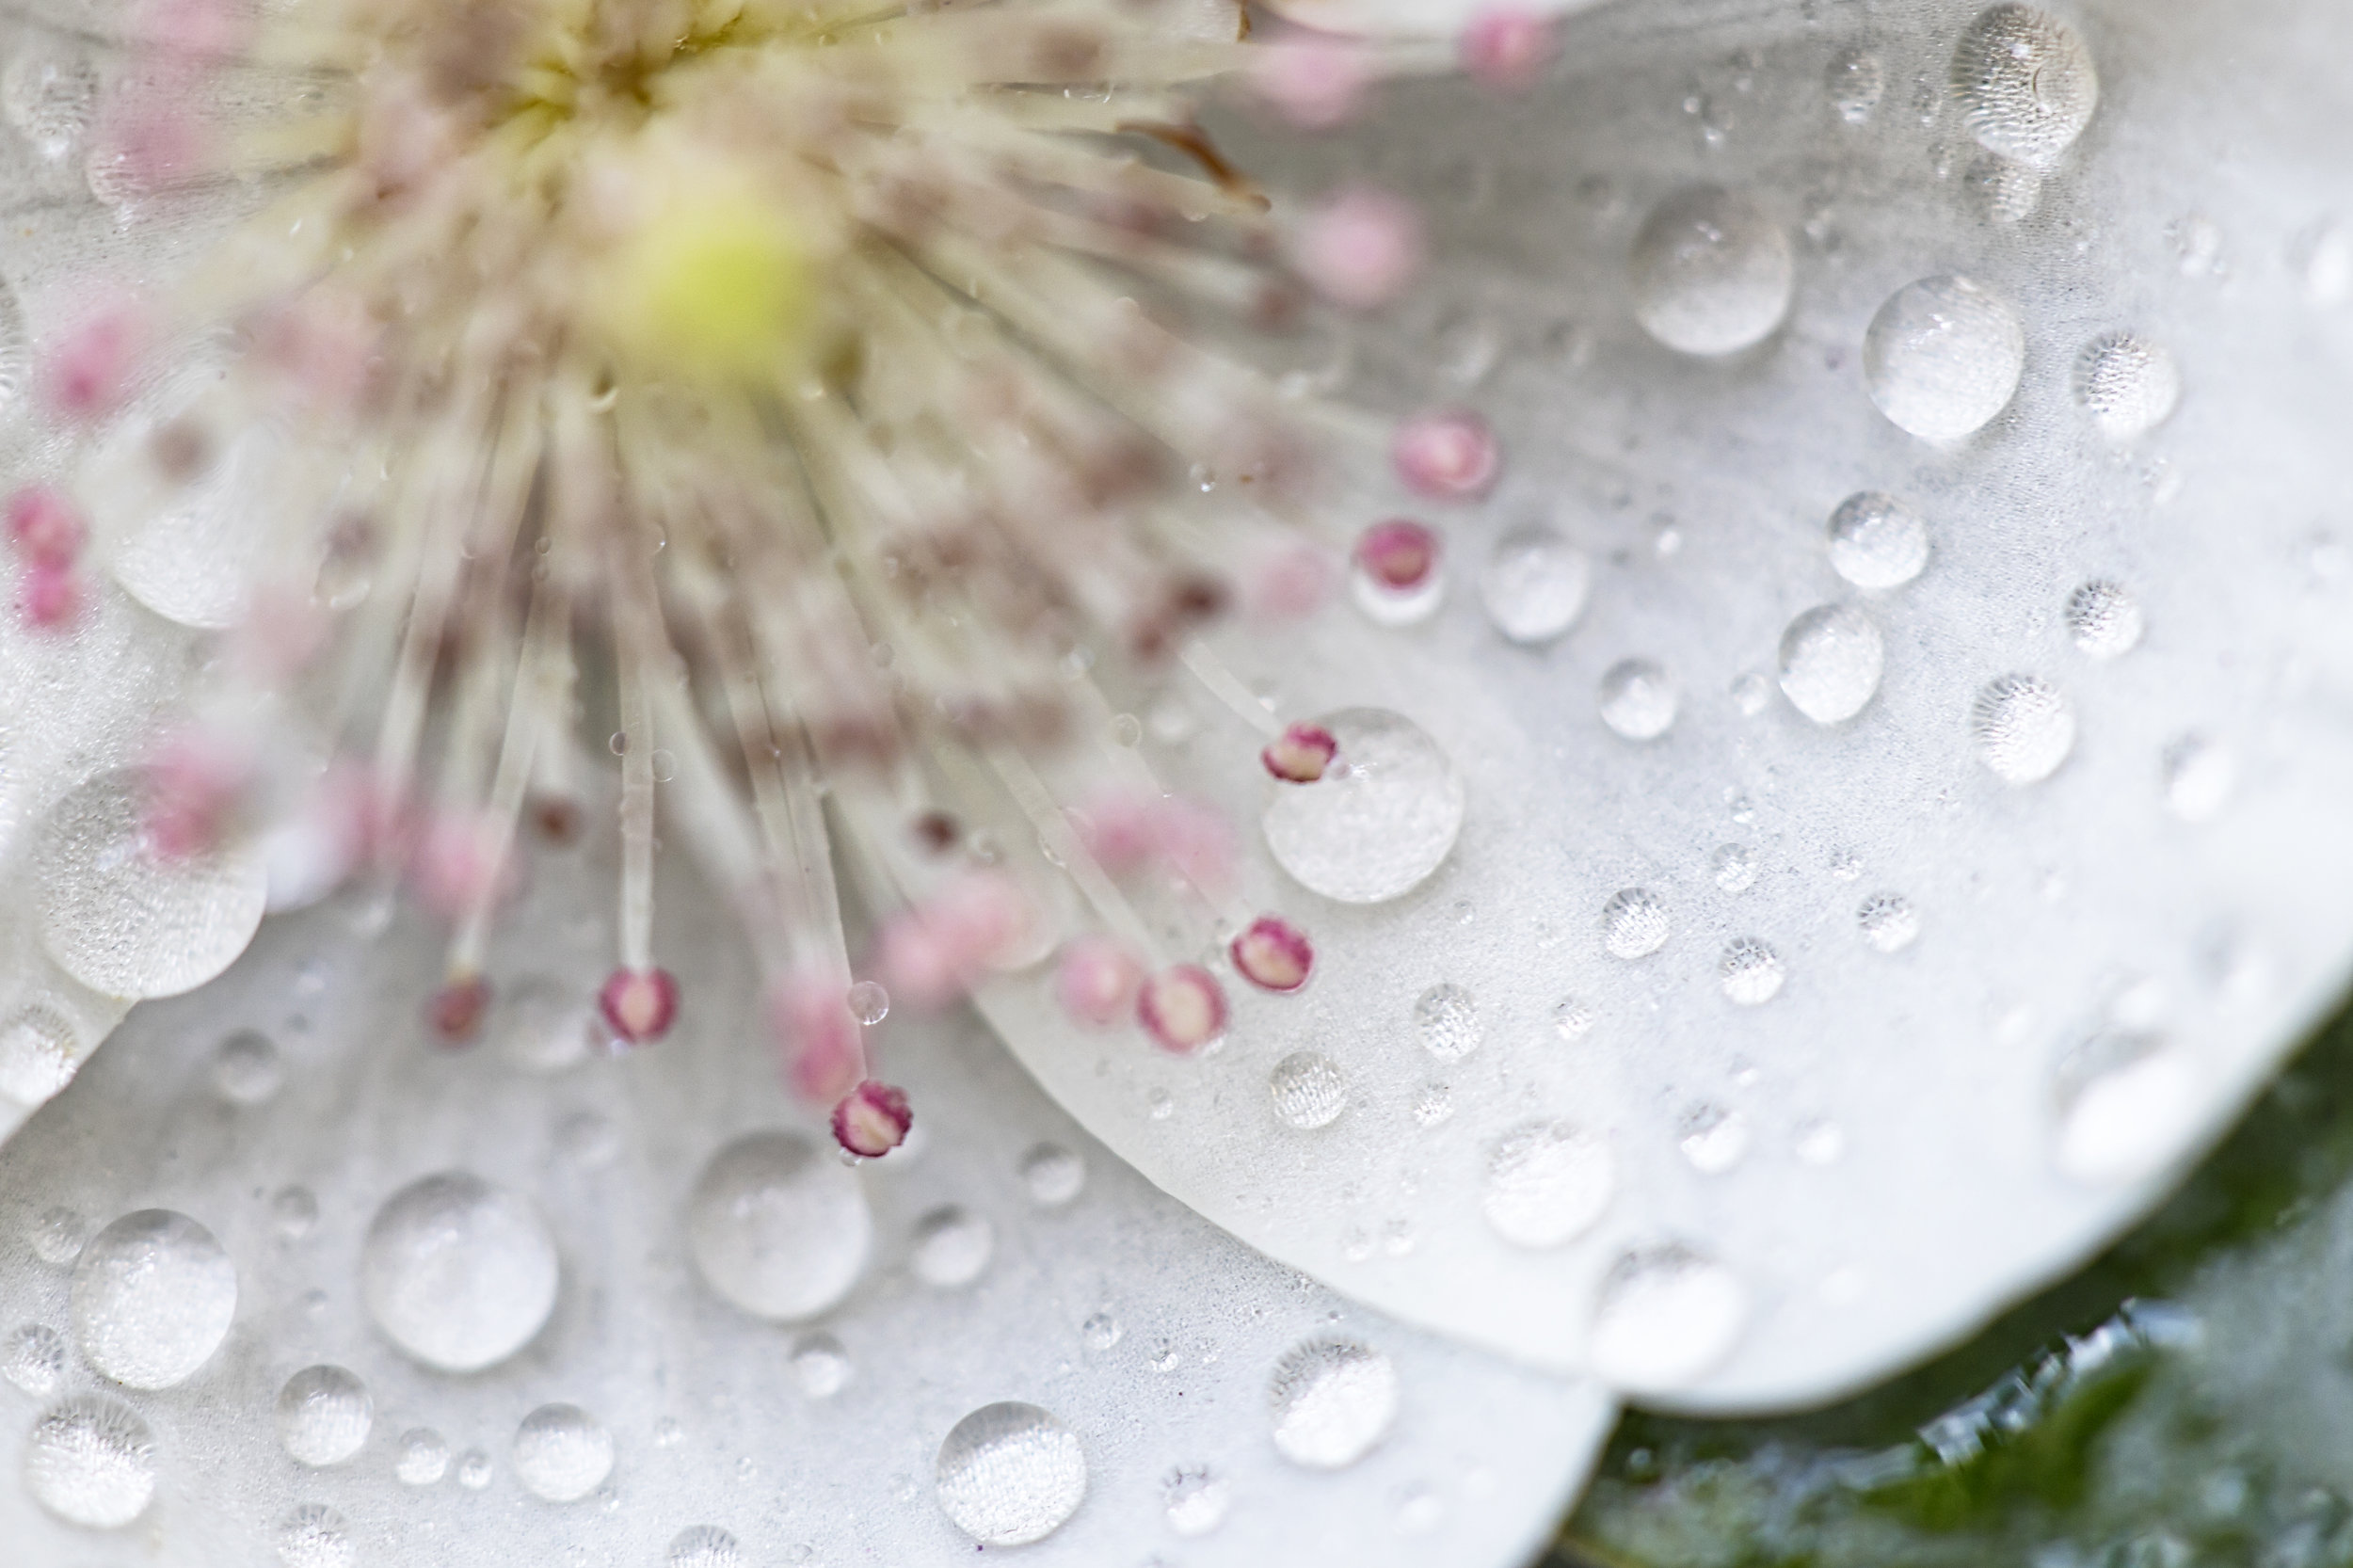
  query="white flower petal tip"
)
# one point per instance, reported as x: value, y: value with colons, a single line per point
x: 637, y: 1310
x: 1926, y: 827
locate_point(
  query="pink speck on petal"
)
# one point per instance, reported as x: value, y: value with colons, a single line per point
x: 1274, y: 955
x: 1506, y: 48
x: 1117, y: 830
x: 639, y: 1005
x: 1196, y: 842
x: 50, y: 597
x: 871, y: 1120
x: 46, y: 529
x: 182, y: 29
x: 1360, y: 248
x: 85, y: 369
x: 197, y: 783
x: 1097, y: 980
x: 458, y: 863
x: 1301, y: 754
x: 1315, y: 81
x: 1289, y: 582
x: 456, y: 1010
x: 1399, y: 555
x: 825, y: 1053
x: 1448, y: 455
x: 936, y: 951
x: 1182, y: 1008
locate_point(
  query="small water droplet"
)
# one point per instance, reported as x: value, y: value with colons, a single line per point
x: 1820, y: 1143
x: 2200, y: 774
x: 1009, y: 1474
x: 1420, y: 1512
x: 1634, y: 924
x: 2127, y: 1104
x: 1876, y: 541
x: 544, y: 1027
x: 870, y: 1004
x: 588, y: 1139
x: 1750, y: 972
x: 2103, y: 619
x: 562, y: 1453
x: 1942, y: 356
x: 2025, y: 84
x: 1572, y: 1018
x: 91, y: 1462
x: 1159, y: 1105
x: 1888, y: 922
x: 39, y: 1055
x: 1714, y: 1140
x: 1101, y: 1332
x: 703, y: 1547
x: 777, y: 1229
x: 1712, y: 273
x: 1434, y: 1103
x: 458, y: 1273
x: 1309, y: 1090
x: 324, y: 1413
x: 1534, y: 585
x: 474, y: 1469
x: 314, y: 1536
x: 1546, y: 1184
x: 1447, y: 1019
x: 1053, y: 1174
x: 1751, y: 694
x: 1666, y: 1318
x: 1857, y: 82
x: 50, y: 93
x: 1331, y: 1400
x: 152, y: 1296
x: 293, y: 1212
x: 1195, y: 1498
x: 1374, y: 828
x: 1735, y: 866
x: 57, y: 1236
x: 1126, y: 731
x: 820, y: 1365
x: 422, y: 1458
x: 34, y: 1359
x: 952, y: 1245
x: 1638, y: 699
x: 2129, y: 385
x: 248, y: 1069
x: 2024, y: 727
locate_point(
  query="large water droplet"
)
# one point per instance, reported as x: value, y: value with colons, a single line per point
x: 1638, y: 699
x: 38, y: 1055
x: 1712, y: 274
x: 460, y: 1275
x: 1009, y: 1474
x: 1831, y: 659
x: 1331, y: 1400
x: 1446, y: 1019
x: 2127, y: 383
x: 1534, y: 585
x: 1379, y: 821
x: 246, y: 1069
x: 1876, y: 541
x: 324, y: 1414
x: 1634, y: 924
x: 1942, y: 356
x: 1666, y: 1318
x: 953, y: 1246
x: 1750, y: 972
x: 34, y: 1359
x: 1309, y: 1090
x: 562, y: 1453
x: 2024, y: 727
x: 2103, y: 619
x: 1548, y: 1183
x: 778, y: 1228
x: 2127, y: 1102
x: 424, y: 1457
x: 91, y: 1462
x: 314, y: 1536
x: 2026, y: 83
x: 153, y: 1297
x: 124, y: 920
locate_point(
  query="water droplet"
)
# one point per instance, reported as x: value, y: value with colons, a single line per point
x: 1309, y: 1090
x: 2198, y: 777
x: 1821, y: 1142
x: 2129, y: 384
x: 424, y: 1458
x: 1379, y: 821
x: 1638, y: 699
x: 459, y: 1274
x: 1331, y: 1400
x: 153, y: 1297
x: 314, y: 1536
x: 38, y: 1055
x: 50, y: 93
x: 1446, y: 1019
x: 2024, y: 727
x: 1712, y: 273
x: 952, y: 1246
x: 1666, y: 1318
x: 1053, y: 1174
x: 1735, y: 867
x: 589, y: 1140
x: 776, y: 1228
x: 2127, y: 1105
x: 324, y: 1414
x: 1634, y: 924
x: 248, y: 1069
x: 1126, y: 731
x: 703, y: 1547
x: 1857, y: 82
x: 474, y: 1469
x: 1876, y: 541
x: 1534, y: 585
x: 1888, y: 922
x: 1548, y: 1183
x: 1714, y: 1140
x: 1434, y: 1103
x: 2025, y: 84
x: 34, y: 1359
x: 1196, y: 1500
x: 1159, y: 1105
x: 820, y: 1365
x: 1572, y: 1018
x: 562, y: 1453
x: 2103, y: 619
x: 1101, y: 1330
x: 293, y: 1212
x: 57, y: 1236
x: 1009, y: 1474
x: 1750, y: 972
x: 91, y: 1462
x: 544, y: 1027
x: 870, y: 1004
x: 1831, y: 659
x: 1942, y: 356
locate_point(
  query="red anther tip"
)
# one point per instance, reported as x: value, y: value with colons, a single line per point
x: 1300, y: 754
x: 639, y: 1005
x: 45, y: 528
x: 1097, y: 980
x: 871, y: 1120
x: 457, y: 1009
x: 1399, y: 555
x: 1182, y: 1008
x: 1274, y: 955
x: 1450, y: 455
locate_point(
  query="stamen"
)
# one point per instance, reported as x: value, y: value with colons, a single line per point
x: 1274, y: 955
x: 1182, y: 1008
x: 871, y: 1120
x: 639, y: 1005
x: 1300, y: 754
x: 1446, y: 455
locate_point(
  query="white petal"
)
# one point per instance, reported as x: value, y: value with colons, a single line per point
x: 1947, y: 992
x: 1405, y: 18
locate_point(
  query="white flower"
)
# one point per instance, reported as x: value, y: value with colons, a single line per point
x: 1819, y: 801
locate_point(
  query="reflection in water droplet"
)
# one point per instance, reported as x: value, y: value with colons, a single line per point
x: 1009, y: 1474
x: 459, y: 1274
x: 1942, y: 356
x: 1857, y: 82
x: 38, y: 1055
x: 1888, y: 922
x: 1534, y: 585
x: 314, y: 1536
x: 2024, y: 727
x: 2128, y: 1103
x: 703, y: 1547
x: 1634, y: 924
x: 1750, y: 972
x: 1309, y: 1090
x: 153, y: 1297
x: 1831, y: 659
x: 1331, y: 1400
x: 1446, y: 1019
x: 1712, y: 273
x: 424, y: 1458
x: 562, y: 1453
x: 1378, y: 823
x: 2103, y: 619
x: 91, y: 1462
x: 1666, y: 1318
x: 34, y: 1359
x: 1735, y: 866
x: 777, y: 1229
x: 952, y: 1246
x: 2026, y: 83
x: 1638, y: 699
x: 1876, y: 541
x: 2198, y: 777
x: 1714, y: 1140
x: 1053, y: 1174
x: 246, y: 1069
x: 57, y: 1236
x: 1548, y: 1183
x: 2129, y: 384
x: 820, y: 1365
x: 1572, y: 1018
x: 1196, y: 1500
x: 324, y: 1414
